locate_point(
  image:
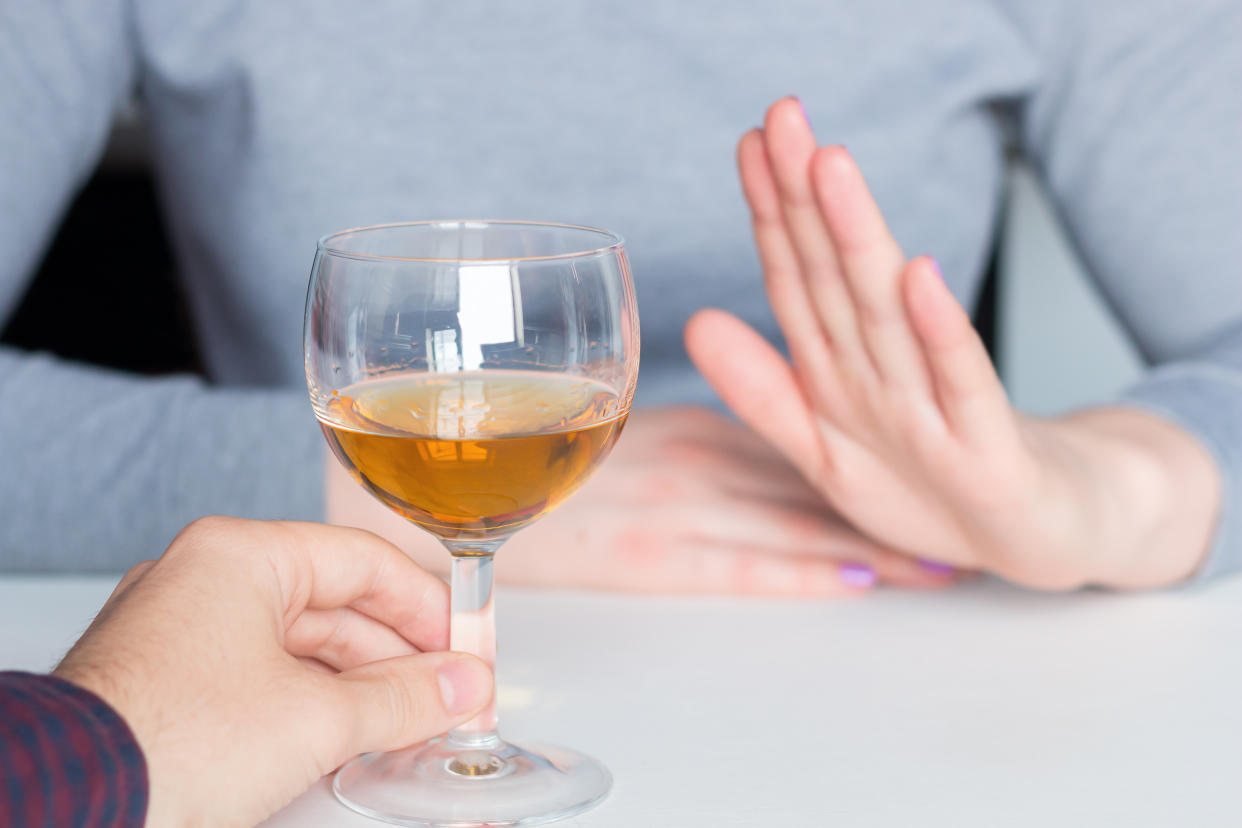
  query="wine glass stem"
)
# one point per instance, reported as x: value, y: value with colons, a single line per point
x: 472, y: 629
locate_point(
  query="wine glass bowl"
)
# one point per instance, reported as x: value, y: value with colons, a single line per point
x: 471, y: 375
x: 475, y: 457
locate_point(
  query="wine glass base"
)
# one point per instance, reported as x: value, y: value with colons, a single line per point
x: 435, y: 784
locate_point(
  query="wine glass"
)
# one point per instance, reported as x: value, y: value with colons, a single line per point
x: 471, y: 375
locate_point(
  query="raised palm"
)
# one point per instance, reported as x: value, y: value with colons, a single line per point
x: 891, y: 409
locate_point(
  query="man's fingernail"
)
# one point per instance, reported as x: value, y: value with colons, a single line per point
x: 464, y: 685
x: 859, y: 576
x: 936, y: 567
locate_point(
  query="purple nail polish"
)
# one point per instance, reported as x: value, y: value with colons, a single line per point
x: 936, y: 267
x: 857, y: 575
x: 936, y: 567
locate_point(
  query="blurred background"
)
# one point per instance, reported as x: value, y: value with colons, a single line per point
x: 1054, y: 341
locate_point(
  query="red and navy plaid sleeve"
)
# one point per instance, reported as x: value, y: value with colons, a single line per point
x: 66, y: 758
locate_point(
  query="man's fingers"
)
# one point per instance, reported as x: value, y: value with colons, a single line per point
x: 969, y: 392
x: 344, y: 638
x: 757, y: 384
x: 316, y: 665
x: 392, y: 704
x: 325, y: 567
x: 872, y: 262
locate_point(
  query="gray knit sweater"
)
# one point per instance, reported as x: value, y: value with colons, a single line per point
x: 275, y: 122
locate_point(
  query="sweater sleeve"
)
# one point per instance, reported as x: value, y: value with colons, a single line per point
x: 66, y: 757
x: 1136, y: 129
x: 101, y: 469
x: 65, y: 68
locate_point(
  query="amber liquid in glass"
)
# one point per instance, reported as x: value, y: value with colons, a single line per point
x: 473, y: 455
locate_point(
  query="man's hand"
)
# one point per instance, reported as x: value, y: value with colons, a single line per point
x: 252, y: 658
x: 689, y: 501
x: 894, y: 414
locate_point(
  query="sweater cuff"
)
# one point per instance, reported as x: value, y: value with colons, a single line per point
x: 1205, y: 400
x: 66, y: 757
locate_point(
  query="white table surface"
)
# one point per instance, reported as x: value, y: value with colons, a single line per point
x: 983, y: 706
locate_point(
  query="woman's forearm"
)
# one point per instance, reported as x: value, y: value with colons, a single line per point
x: 1148, y: 493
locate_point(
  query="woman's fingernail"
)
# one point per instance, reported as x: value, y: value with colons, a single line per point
x: 936, y: 567
x: 464, y: 684
x: 859, y: 576
x: 936, y: 267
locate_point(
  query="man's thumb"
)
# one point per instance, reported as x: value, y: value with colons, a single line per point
x: 402, y: 701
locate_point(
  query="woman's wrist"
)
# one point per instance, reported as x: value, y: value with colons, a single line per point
x: 1145, y: 492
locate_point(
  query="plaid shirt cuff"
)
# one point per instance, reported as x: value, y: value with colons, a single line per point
x: 66, y: 757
